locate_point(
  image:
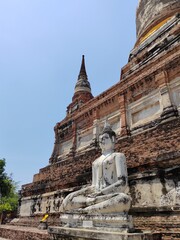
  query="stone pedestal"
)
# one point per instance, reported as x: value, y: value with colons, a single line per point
x: 65, y: 233
x: 99, y: 226
x: 105, y: 222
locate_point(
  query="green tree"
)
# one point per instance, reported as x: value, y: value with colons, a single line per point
x: 8, y: 194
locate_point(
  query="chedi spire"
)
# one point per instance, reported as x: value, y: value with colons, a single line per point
x: 82, y: 84
x: 82, y: 90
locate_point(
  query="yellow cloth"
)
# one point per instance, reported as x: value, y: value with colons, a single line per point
x: 45, y: 217
x: 154, y: 29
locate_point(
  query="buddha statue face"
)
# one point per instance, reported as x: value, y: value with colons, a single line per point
x: 106, y: 142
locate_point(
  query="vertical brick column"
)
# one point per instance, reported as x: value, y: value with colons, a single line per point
x: 168, y: 109
x: 74, y: 136
x: 95, y: 125
x: 123, y: 118
x: 55, y: 151
x: 95, y: 129
x: 162, y: 81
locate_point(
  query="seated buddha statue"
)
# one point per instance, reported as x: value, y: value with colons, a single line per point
x: 109, y: 182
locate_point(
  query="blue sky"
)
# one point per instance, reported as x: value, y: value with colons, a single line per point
x: 41, y: 46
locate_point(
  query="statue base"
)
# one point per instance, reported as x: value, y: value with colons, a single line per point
x: 76, y: 226
x: 65, y: 233
x: 106, y: 222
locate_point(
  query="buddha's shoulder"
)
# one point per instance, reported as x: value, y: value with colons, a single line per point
x: 97, y: 160
x: 119, y: 155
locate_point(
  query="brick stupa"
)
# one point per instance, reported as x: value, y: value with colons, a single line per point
x: 143, y: 109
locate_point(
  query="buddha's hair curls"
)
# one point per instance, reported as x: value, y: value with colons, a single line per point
x: 109, y: 131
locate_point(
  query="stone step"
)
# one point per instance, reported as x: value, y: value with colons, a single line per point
x: 21, y: 233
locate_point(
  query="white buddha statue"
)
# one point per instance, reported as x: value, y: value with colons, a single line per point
x: 109, y: 182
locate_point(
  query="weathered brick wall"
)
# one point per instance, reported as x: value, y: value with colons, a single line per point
x: 22, y: 233
x: 165, y: 222
x: 75, y: 171
x: 152, y: 147
x: 146, y: 150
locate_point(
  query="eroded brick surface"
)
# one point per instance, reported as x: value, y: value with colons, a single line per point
x: 22, y: 233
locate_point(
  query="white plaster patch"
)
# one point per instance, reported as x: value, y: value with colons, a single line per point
x: 144, y: 110
x: 84, y: 138
x: 48, y: 202
x: 65, y: 147
x: 175, y: 92
x: 145, y: 113
x: 25, y: 209
x: 154, y: 193
x: 172, y: 197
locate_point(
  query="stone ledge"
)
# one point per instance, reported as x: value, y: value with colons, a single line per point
x: 22, y: 233
x: 63, y: 233
x: 104, y: 222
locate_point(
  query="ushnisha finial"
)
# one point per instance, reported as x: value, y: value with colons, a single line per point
x: 108, y: 129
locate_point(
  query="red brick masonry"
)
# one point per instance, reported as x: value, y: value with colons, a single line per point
x: 22, y: 233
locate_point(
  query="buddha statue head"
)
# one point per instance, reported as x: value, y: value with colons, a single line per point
x: 107, y: 139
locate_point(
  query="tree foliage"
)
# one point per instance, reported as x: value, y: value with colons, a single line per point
x: 8, y: 194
